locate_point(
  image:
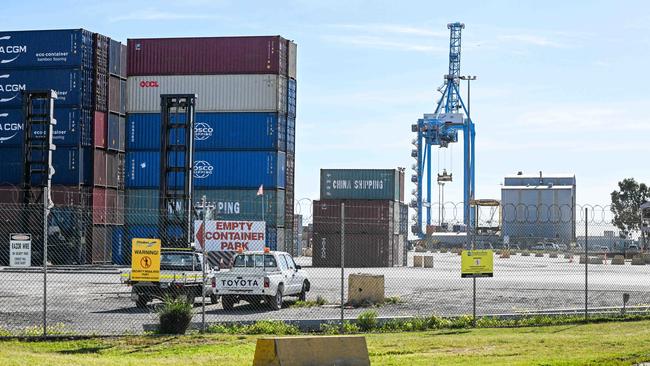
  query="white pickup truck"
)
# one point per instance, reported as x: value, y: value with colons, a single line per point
x: 260, y: 276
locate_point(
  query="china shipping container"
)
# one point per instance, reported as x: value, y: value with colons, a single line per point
x: 213, y: 55
x: 99, y: 168
x: 99, y: 208
x: 100, y: 130
x: 214, y: 131
x: 68, y: 48
x: 212, y: 169
x: 73, y: 127
x: 73, y: 166
x: 217, y: 93
x: 73, y: 86
x: 361, y: 250
x: 379, y: 184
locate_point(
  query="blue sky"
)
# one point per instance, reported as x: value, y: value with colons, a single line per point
x: 562, y: 86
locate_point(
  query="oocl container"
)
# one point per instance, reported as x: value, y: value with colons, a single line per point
x: 214, y: 131
x: 379, y: 184
x: 217, y: 93
x: 213, y: 55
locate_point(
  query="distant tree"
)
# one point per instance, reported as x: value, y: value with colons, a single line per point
x: 625, y: 205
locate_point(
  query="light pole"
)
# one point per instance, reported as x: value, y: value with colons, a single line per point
x: 468, y: 78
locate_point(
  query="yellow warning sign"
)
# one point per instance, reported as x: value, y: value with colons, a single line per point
x: 145, y: 260
x: 477, y: 263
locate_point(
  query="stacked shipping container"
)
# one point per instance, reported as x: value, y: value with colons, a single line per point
x: 375, y: 219
x: 244, y: 128
x: 75, y: 63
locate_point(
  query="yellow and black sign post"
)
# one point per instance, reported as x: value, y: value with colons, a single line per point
x: 145, y: 260
x: 477, y: 263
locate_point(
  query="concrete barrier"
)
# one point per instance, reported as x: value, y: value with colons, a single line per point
x: 552, y: 255
x: 637, y: 260
x: 539, y: 254
x: 618, y: 260
x: 525, y: 254
x: 596, y: 260
x: 417, y: 261
x: 428, y: 261
x: 365, y: 288
x: 313, y: 350
x: 646, y: 258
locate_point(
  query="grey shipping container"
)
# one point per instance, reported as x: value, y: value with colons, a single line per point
x: 216, y: 93
x: 374, y: 184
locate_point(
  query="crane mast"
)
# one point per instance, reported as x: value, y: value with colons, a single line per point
x: 440, y: 129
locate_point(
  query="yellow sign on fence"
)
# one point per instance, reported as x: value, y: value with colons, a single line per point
x: 477, y: 263
x: 145, y: 260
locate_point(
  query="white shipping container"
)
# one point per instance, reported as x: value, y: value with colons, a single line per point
x: 215, y: 93
x: 293, y: 49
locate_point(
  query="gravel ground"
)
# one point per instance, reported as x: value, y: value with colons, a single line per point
x: 94, y: 302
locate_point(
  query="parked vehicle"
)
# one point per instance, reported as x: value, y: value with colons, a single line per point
x: 258, y: 277
x: 181, y: 275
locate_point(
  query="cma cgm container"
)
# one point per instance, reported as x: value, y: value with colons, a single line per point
x: 72, y: 166
x: 73, y: 127
x: 73, y: 86
x: 213, y: 55
x: 212, y: 169
x: 217, y: 93
x: 376, y: 184
x: 71, y: 48
x: 214, y: 131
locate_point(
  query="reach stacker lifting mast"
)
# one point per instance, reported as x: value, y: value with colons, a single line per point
x: 440, y: 128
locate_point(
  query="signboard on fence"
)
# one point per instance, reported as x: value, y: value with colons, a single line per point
x: 219, y: 236
x: 477, y: 263
x: 20, y: 250
x: 145, y: 260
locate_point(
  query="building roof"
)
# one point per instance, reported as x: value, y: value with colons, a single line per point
x: 543, y: 186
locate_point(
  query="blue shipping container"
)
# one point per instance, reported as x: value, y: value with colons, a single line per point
x: 214, y: 131
x: 46, y: 48
x: 73, y: 127
x: 291, y: 134
x: 212, y: 169
x: 291, y: 97
x: 73, y: 86
x: 118, y: 251
x: 115, y: 138
x: 72, y: 166
x: 150, y: 232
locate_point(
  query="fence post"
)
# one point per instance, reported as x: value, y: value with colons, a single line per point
x: 586, y: 264
x: 474, y: 230
x: 342, y: 263
x: 205, y: 260
x: 46, y: 211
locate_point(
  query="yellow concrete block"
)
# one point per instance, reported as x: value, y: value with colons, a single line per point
x: 312, y: 350
x: 417, y: 261
x: 363, y: 287
x: 637, y: 260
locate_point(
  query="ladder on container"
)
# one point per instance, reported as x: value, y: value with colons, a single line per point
x: 176, y: 168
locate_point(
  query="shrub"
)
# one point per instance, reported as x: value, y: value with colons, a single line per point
x: 274, y: 327
x: 331, y: 328
x: 367, y: 320
x: 175, y: 316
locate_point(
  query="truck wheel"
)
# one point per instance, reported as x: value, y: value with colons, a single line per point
x: 302, y: 296
x: 275, y: 302
x: 141, y: 303
x: 214, y: 299
x: 228, y: 302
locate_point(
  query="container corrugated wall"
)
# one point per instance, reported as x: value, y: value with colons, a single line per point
x: 216, y: 93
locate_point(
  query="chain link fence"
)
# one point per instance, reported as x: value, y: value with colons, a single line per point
x: 547, y: 260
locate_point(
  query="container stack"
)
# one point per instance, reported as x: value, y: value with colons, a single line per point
x: 374, y: 220
x: 244, y: 127
x: 75, y: 64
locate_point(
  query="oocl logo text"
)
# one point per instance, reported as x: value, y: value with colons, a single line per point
x: 202, y: 169
x: 202, y: 131
x: 149, y: 84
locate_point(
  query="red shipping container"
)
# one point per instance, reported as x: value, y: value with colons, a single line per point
x: 209, y: 56
x: 99, y: 206
x: 100, y: 130
x: 99, y: 168
x: 111, y: 205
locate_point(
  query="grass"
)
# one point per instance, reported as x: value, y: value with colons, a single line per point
x: 614, y: 343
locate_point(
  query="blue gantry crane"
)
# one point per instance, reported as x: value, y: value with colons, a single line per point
x: 439, y: 129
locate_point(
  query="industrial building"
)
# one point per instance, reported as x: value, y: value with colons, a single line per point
x: 538, y: 208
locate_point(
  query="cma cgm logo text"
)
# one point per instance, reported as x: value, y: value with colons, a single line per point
x: 8, y: 87
x: 202, y: 131
x: 9, y: 52
x: 10, y: 128
x: 202, y: 169
x: 149, y: 84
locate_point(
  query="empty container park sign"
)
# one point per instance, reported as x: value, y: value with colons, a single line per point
x: 364, y: 184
